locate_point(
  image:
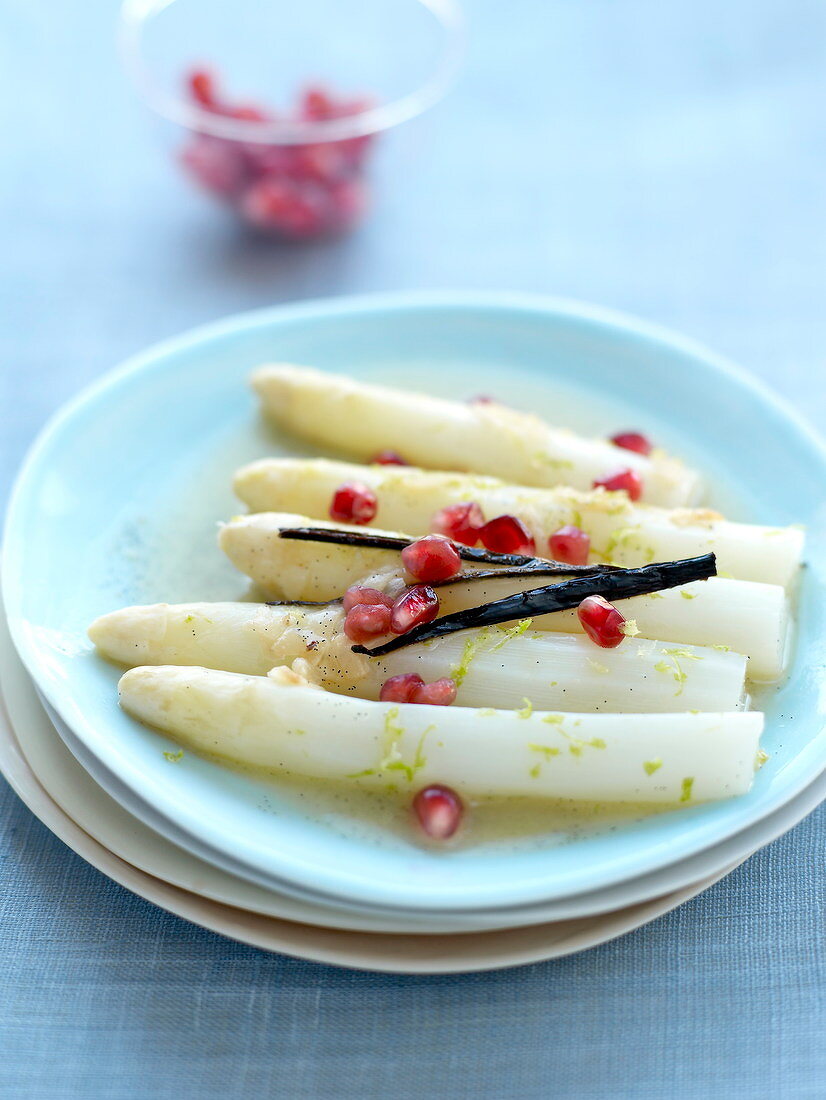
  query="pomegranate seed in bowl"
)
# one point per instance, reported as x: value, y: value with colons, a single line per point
x: 415, y: 606
x: 625, y: 479
x: 431, y: 558
x: 570, y: 544
x: 353, y: 502
x: 439, y: 811
x: 294, y: 190
x: 507, y: 535
x: 399, y: 689
x: 359, y: 594
x: 601, y: 622
x: 633, y: 441
x: 460, y: 522
x: 366, y: 621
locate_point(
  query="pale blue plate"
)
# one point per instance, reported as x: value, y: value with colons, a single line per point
x: 118, y: 500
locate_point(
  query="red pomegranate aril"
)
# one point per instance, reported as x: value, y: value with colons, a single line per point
x: 309, y: 189
x: 293, y: 208
x: 431, y: 558
x: 633, y: 441
x: 353, y: 502
x: 626, y: 479
x: 460, y: 522
x: 358, y: 594
x: 439, y: 693
x: 601, y: 621
x: 399, y: 689
x: 415, y: 606
x: 570, y: 544
x: 215, y: 164
x: 202, y: 87
x: 507, y: 535
x: 388, y: 458
x: 317, y: 104
x: 366, y: 621
x: 439, y: 811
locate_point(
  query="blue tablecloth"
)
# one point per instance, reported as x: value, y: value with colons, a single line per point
x: 664, y: 158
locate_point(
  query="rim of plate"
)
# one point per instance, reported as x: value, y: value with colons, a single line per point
x: 800, y: 770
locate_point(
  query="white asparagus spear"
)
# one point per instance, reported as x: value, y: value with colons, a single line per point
x: 626, y: 533
x: 362, y: 419
x: 278, y: 722
x: 494, y: 667
x: 745, y: 616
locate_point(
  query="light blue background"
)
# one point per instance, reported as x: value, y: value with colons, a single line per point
x: 664, y: 158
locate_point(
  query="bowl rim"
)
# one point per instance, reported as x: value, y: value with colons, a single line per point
x: 375, y: 118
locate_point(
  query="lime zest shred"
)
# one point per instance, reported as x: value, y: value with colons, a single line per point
x: 526, y: 711
x: 486, y: 712
x: 761, y: 758
x: 722, y: 648
x: 361, y: 775
x: 174, y: 757
x: 674, y: 667
x: 554, y: 719
x: 651, y: 766
x: 548, y: 752
x: 392, y: 760
x: 619, y: 537
x: 629, y: 628
x: 685, y: 788
x: 688, y: 595
x: 482, y: 641
x: 597, y: 666
x: 512, y: 632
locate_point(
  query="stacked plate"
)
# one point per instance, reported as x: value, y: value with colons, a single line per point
x: 117, y: 504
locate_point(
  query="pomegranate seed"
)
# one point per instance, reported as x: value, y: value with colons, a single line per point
x: 633, y: 441
x: 439, y: 811
x: 570, y: 544
x: 626, y: 479
x: 317, y: 104
x: 399, y: 689
x: 431, y: 558
x: 292, y: 208
x: 388, y: 458
x: 202, y: 87
x: 296, y: 191
x: 415, y: 606
x: 353, y: 502
x: 507, y: 535
x: 601, y: 621
x: 358, y: 594
x: 215, y: 164
x: 460, y: 522
x: 366, y: 621
x: 441, y: 693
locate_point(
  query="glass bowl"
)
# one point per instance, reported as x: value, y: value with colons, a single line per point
x: 277, y: 107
